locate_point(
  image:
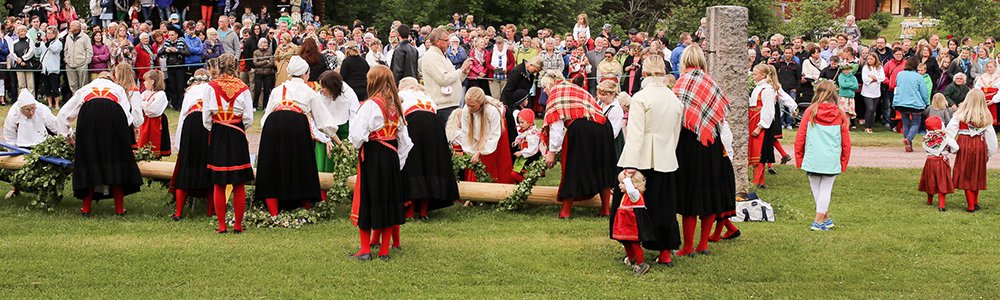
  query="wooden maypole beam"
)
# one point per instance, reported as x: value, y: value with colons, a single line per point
x: 472, y: 191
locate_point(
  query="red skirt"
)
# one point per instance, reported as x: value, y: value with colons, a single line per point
x: 970, y: 163
x: 499, y: 163
x: 625, y: 228
x: 154, y: 131
x: 990, y: 93
x: 936, y: 176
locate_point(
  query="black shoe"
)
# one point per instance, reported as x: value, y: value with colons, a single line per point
x: 668, y: 264
x: 177, y: 218
x: 761, y: 186
x: 977, y: 208
x: 772, y: 171
x: 385, y: 257
x: 362, y: 257
x: 124, y: 211
x: 640, y: 269
x: 941, y: 209
x: 237, y: 231
x: 424, y: 218
x: 703, y: 252
x: 733, y: 236
x: 785, y: 159
x: 970, y: 210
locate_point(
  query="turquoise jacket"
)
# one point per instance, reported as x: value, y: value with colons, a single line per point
x: 911, y: 91
x: 848, y: 83
x: 824, y: 146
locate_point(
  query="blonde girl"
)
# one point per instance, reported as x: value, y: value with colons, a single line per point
x: 977, y: 141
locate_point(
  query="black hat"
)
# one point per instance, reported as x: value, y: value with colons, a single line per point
x: 633, y: 31
x: 520, y: 95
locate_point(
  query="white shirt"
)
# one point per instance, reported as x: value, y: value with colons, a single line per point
x: 369, y: 119
x: 872, y: 88
x: 413, y: 98
x: 615, y: 115
x: 578, y: 29
x: 307, y: 99
x: 811, y: 70
x: 24, y: 132
x: 344, y: 107
x: 135, y: 100
x: 767, y: 96
x: 989, y: 134
x: 242, y: 106
x: 193, y: 94
x: 109, y: 89
x: 153, y: 103
x: 494, y: 120
x: 532, y: 140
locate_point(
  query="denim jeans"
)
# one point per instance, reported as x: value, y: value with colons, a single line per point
x: 147, y: 12
x: 911, y: 124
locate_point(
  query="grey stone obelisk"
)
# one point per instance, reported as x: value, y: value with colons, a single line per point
x: 727, y: 64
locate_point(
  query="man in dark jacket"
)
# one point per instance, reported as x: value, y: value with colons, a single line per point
x: 790, y: 77
x: 404, y: 57
x: 174, y: 50
x: 520, y: 80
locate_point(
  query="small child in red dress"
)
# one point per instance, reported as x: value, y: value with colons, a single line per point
x: 527, y: 142
x: 935, y: 179
x: 630, y: 220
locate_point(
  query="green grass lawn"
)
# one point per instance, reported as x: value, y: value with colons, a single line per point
x: 887, y: 244
x: 881, y: 137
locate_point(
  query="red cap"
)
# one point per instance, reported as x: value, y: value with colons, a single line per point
x: 527, y: 115
x: 933, y: 123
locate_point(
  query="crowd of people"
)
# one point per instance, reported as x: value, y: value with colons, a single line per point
x: 428, y: 93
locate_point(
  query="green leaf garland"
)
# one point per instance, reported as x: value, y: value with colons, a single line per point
x: 517, y: 198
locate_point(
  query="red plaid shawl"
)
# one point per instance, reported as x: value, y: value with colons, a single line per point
x: 704, y: 104
x: 568, y: 102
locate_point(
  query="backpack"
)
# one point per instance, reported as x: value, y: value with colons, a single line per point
x: 753, y: 211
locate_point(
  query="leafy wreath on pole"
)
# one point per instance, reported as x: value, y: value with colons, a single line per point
x: 517, y: 198
x: 463, y: 162
x: 45, y: 180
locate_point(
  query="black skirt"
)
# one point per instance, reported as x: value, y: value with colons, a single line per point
x: 776, y: 123
x: 165, y: 149
x: 286, y: 162
x: 588, y: 160
x: 229, y: 155
x: 191, y: 171
x: 380, y: 187
x: 661, y: 206
x: 767, y: 146
x: 705, y: 181
x: 428, y: 170
x: 103, y: 154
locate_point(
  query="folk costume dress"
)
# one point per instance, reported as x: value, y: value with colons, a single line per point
x: 493, y: 151
x: 429, y: 173
x: 192, y: 176
x: 616, y: 116
x: 761, y: 147
x: 227, y: 108
x: 975, y: 146
x: 706, y: 184
x: 103, y: 155
x: 383, y: 146
x: 155, y: 128
x: 990, y: 84
x: 528, y: 142
x: 24, y: 132
x: 576, y: 127
x: 286, y: 162
x: 936, y: 178
x: 342, y: 110
x: 632, y: 222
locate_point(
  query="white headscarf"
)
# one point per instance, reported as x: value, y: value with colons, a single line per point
x: 297, y: 66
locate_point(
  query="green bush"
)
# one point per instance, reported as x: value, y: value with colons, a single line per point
x: 870, y: 28
x: 883, y: 19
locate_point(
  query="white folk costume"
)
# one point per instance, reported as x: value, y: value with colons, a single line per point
x: 989, y: 83
x: 286, y: 163
x: 431, y: 181
x: 24, y: 132
x: 155, y: 129
x: 103, y: 156
x: 528, y: 144
x: 341, y: 109
x: 616, y: 116
x: 227, y: 108
x: 762, y: 114
x: 191, y: 174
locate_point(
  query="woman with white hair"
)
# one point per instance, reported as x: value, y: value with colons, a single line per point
x: 284, y: 51
x: 576, y: 128
x: 212, y: 46
x: 432, y: 183
x: 28, y: 124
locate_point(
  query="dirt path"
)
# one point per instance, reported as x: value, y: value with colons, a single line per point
x: 893, y: 157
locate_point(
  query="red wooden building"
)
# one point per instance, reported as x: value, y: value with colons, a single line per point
x: 860, y: 9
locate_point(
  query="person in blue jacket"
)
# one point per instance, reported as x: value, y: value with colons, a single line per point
x: 195, y: 48
x: 910, y: 98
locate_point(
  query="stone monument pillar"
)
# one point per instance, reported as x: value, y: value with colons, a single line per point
x: 727, y: 64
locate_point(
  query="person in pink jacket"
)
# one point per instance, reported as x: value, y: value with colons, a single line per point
x: 823, y: 148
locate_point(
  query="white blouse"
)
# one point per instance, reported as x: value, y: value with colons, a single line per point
x: 135, y: 100
x: 242, y: 106
x: 154, y: 103
x: 989, y: 134
x: 414, y: 98
x: 872, y: 88
x: 532, y: 139
x: 344, y: 107
x: 307, y: 99
x: 767, y: 96
x: 193, y: 94
x: 494, y: 120
x: 369, y: 119
x: 109, y: 89
x: 24, y: 132
x: 615, y: 115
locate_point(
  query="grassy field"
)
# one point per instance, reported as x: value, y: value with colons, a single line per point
x: 881, y: 137
x: 887, y: 244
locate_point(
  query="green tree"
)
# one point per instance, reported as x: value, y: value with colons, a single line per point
x: 963, y: 18
x: 685, y: 15
x: 811, y: 18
